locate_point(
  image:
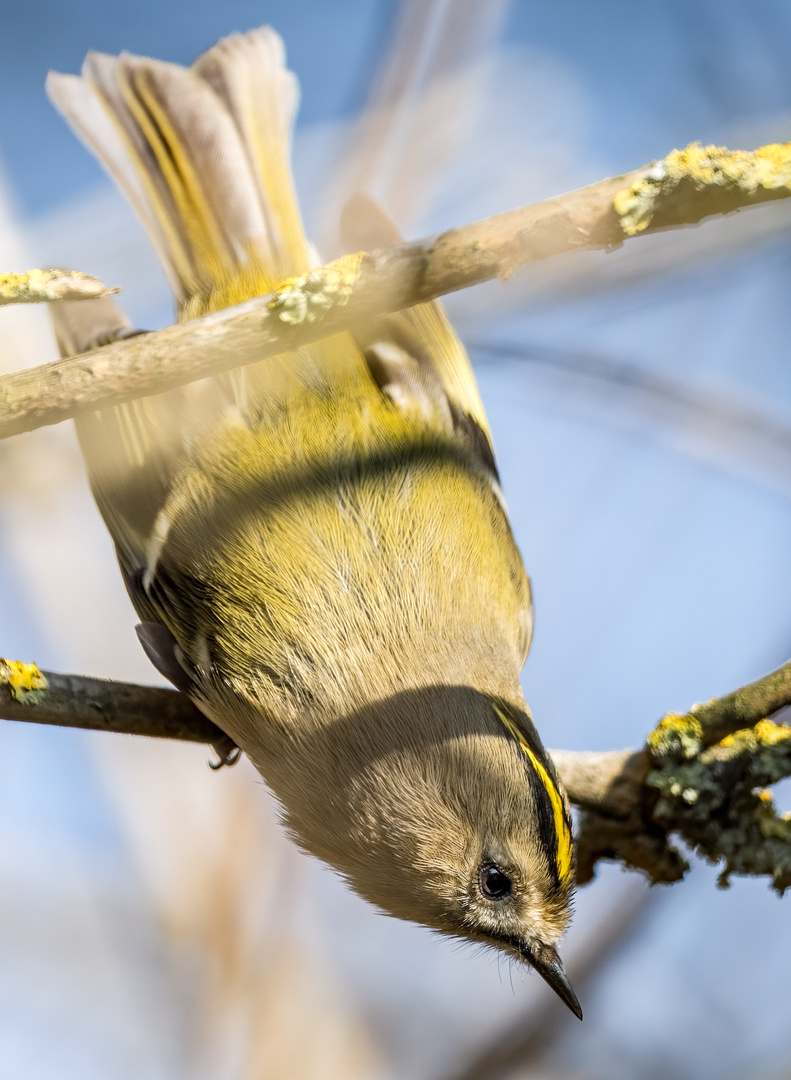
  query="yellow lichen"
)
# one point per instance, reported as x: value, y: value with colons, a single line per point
x: 305, y: 298
x: 36, y: 286
x: 768, y: 167
x: 768, y: 733
x: 676, y: 735
x: 635, y: 205
x: 18, y: 288
x: 25, y: 681
x: 764, y: 733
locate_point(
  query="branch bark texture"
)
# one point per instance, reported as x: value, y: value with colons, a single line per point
x: 682, y: 189
x: 76, y: 701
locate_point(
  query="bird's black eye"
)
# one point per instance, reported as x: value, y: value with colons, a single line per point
x: 493, y: 882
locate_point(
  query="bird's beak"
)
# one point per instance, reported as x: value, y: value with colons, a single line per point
x: 545, y: 959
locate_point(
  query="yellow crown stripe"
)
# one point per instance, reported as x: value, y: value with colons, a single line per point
x: 562, y: 831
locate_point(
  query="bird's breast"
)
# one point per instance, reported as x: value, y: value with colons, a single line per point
x: 338, y: 546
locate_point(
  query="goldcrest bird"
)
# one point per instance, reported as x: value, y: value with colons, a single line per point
x: 317, y: 544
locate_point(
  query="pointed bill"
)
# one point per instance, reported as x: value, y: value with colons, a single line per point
x: 545, y: 959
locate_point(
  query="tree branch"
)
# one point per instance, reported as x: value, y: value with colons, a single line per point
x: 76, y: 701
x: 38, y: 286
x: 682, y: 189
x: 701, y: 776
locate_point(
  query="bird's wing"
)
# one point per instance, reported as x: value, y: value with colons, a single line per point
x: 418, y: 347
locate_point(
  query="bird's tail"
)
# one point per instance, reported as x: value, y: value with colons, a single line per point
x: 203, y: 155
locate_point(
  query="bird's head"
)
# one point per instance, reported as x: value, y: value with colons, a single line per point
x: 439, y: 805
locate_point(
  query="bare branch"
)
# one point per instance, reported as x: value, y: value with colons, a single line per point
x: 45, y: 697
x: 607, y: 781
x: 38, y: 286
x: 681, y: 189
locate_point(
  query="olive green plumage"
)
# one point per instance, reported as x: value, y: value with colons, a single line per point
x: 317, y: 546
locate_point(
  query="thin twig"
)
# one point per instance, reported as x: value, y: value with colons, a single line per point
x: 76, y: 701
x: 681, y: 189
x: 743, y: 708
x: 41, y: 286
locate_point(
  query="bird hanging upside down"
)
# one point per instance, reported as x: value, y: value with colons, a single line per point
x: 317, y: 544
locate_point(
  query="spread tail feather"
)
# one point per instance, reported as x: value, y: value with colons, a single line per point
x: 202, y: 153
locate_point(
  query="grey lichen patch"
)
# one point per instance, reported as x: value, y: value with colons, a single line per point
x: 707, y: 791
x: 731, y: 178
x: 306, y: 298
x: 457, y: 258
x: 717, y: 802
x: 24, y: 681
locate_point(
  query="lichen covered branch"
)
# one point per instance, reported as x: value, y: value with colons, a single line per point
x: 670, y: 192
x: 40, y: 286
x: 682, y: 189
x: 708, y: 723
x: 702, y: 777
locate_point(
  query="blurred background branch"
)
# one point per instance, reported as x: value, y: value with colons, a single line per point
x: 523, y: 1044
x: 742, y: 434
